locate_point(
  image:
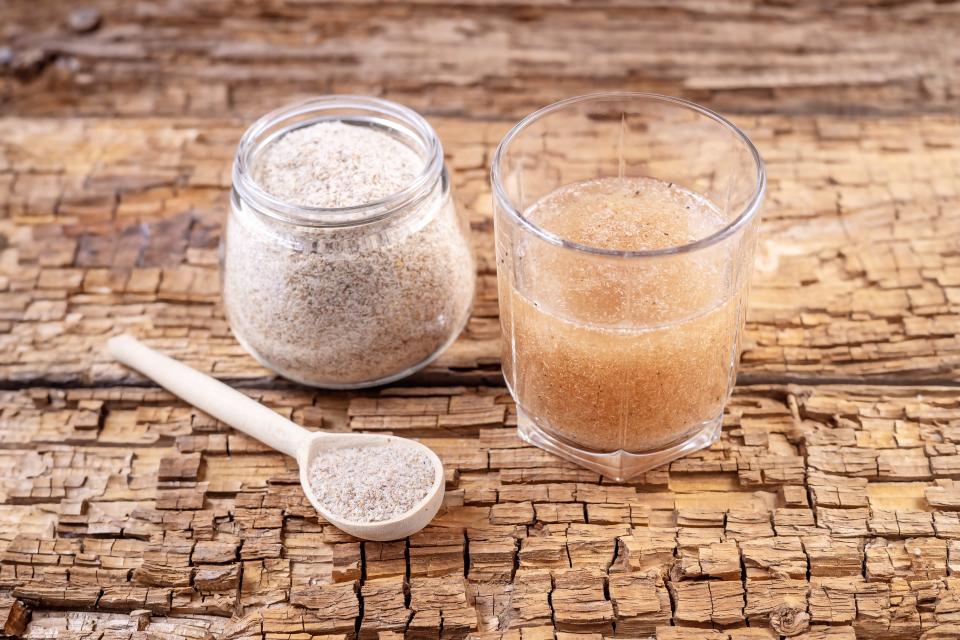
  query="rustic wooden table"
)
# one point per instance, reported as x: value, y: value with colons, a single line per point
x: 829, y: 509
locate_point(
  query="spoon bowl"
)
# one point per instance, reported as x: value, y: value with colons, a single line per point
x: 400, y: 526
x: 262, y: 423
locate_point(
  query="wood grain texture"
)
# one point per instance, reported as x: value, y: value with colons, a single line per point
x: 113, y: 225
x: 525, y: 541
x: 483, y: 57
x: 828, y: 510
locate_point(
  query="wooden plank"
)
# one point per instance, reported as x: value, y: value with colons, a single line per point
x: 826, y: 512
x: 482, y: 57
x: 848, y: 285
x: 501, y: 559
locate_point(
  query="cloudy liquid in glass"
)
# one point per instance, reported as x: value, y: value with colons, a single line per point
x: 613, y: 353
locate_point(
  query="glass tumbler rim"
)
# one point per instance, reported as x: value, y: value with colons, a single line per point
x: 312, y: 216
x: 748, y: 212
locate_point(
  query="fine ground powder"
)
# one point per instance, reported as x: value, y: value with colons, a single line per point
x: 333, y: 165
x: 371, y: 483
x: 345, y: 306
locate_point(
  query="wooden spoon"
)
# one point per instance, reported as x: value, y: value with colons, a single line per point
x: 275, y: 431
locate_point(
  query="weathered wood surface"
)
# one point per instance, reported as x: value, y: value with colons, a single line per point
x: 827, y: 512
x: 483, y: 57
x: 113, y: 225
x: 824, y: 510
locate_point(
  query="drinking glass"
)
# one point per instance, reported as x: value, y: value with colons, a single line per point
x: 620, y: 359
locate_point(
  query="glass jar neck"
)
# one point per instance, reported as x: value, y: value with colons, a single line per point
x: 393, y: 119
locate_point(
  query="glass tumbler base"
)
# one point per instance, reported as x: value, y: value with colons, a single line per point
x: 618, y: 465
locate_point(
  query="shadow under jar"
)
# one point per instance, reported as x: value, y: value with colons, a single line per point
x: 347, y: 296
x: 625, y: 230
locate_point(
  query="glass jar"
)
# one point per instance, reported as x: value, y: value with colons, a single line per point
x: 625, y: 228
x: 346, y: 297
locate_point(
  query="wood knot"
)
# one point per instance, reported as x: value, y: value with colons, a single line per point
x: 140, y: 618
x: 17, y: 618
x: 84, y: 19
x: 27, y: 64
x: 789, y: 621
x: 675, y: 573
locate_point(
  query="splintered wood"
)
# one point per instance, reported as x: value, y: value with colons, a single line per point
x: 701, y: 544
x: 829, y: 510
x: 847, y: 285
x: 483, y: 57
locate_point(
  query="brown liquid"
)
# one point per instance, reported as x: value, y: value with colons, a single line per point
x: 614, y: 353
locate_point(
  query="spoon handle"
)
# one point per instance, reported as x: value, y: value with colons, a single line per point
x: 210, y: 395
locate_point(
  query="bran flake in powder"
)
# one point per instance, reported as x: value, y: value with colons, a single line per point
x: 333, y: 165
x: 346, y: 306
x: 371, y: 483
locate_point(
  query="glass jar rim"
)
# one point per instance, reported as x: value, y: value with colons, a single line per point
x: 313, y: 216
x: 748, y: 213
